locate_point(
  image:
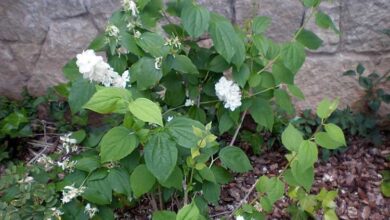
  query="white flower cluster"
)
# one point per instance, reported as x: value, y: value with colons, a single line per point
x: 112, y: 31
x: 91, y: 211
x: 70, y: 192
x: 67, y: 165
x: 26, y: 180
x: 228, y: 92
x: 189, y: 102
x: 94, y: 68
x: 56, y: 212
x: 173, y: 42
x: 68, y: 143
x: 47, y: 162
x: 158, y: 63
x: 129, y: 5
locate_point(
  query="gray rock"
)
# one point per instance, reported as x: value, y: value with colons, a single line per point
x: 26, y: 55
x: 363, y: 24
x: 63, y: 9
x: 23, y: 20
x: 64, y: 41
x: 223, y: 7
x: 101, y: 10
x: 286, y: 15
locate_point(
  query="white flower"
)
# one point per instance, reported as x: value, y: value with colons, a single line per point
x: 69, y: 144
x: 169, y: 118
x: 189, y: 102
x: 130, y: 26
x: 112, y: 30
x: 26, y: 180
x: 121, y: 81
x: 70, y: 192
x: 67, y: 165
x: 91, y: 211
x: 240, y: 218
x: 56, y: 213
x: 86, y: 62
x: 46, y: 161
x: 129, y: 5
x: 137, y: 34
x: 327, y: 177
x: 157, y: 63
x: 228, y: 92
x: 173, y: 42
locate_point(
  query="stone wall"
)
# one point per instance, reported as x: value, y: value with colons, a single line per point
x: 37, y: 37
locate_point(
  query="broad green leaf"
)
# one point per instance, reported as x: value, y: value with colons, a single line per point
x: 71, y: 71
x: 118, y: 63
x: 330, y: 214
x: 142, y: 3
x: 160, y: 155
x: 211, y: 192
x: 207, y: 174
x: 109, y: 100
x: 98, y: 191
x: 141, y: 180
x: 144, y: 73
x: 293, y: 55
x: 120, y: 181
x: 153, y: 44
x: 80, y: 92
x: 235, y: 159
x: 99, y: 43
x: 117, y: 143
x: 128, y: 41
x: 146, y: 110
x: 296, y: 91
x: 304, y: 178
x: 195, y: 19
x: 218, y: 64
x: 349, y: 73
x: 325, y: 140
x: 225, y: 123
x: 292, y: 138
x: 264, y: 184
x: 182, y: 130
x: 88, y: 164
x: 260, y: 24
x: 189, y: 212
x: 222, y: 176
x: 273, y: 187
x: 324, y: 21
x: 307, y: 154
x: 360, y: 69
x: 261, y: 111
x: 284, y: 101
x: 183, y: 64
x: 241, y: 75
x: 311, y: 3
x: 261, y: 43
x: 335, y: 133
x: 282, y: 74
x: 175, y: 180
x: 325, y: 108
x: 224, y: 36
x: 309, y: 39
x: 164, y: 215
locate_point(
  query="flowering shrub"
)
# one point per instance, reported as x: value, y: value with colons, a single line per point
x: 164, y: 92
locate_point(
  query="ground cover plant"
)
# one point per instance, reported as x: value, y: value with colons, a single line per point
x: 166, y: 101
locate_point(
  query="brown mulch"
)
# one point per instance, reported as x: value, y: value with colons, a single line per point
x: 355, y: 173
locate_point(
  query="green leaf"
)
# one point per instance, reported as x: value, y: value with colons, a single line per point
x: 195, y: 20
x: 218, y: 64
x: 235, y: 159
x: 98, y: 191
x: 160, y: 156
x: 273, y: 187
x: 261, y: 111
x: 307, y: 154
x: 118, y: 63
x: 117, y: 143
x: 174, y: 180
x: 335, y: 133
x: 141, y: 180
x: 324, y: 140
x: 309, y: 39
x: 324, y: 21
x: 80, y: 92
x: 282, y: 74
x: 142, y: 3
x: 260, y: 24
x: 99, y: 43
x: 296, y: 91
x: 164, y: 215
x: 153, y: 44
x: 182, y: 130
x: 183, y: 64
x: 145, y: 73
x: 211, y: 192
x: 261, y: 43
x: 311, y: 3
x: 207, y: 174
x: 128, y: 41
x: 241, y: 75
x: 325, y: 108
x: 146, y: 110
x: 292, y: 138
x: 304, y: 178
x: 360, y: 69
x: 225, y: 123
x: 330, y: 214
x: 222, y: 176
x: 189, y: 212
x: 224, y: 36
x: 284, y: 101
x: 71, y: 70
x: 293, y: 55
x: 88, y: 164
x: 109, y: 100
x: 120, y: 181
